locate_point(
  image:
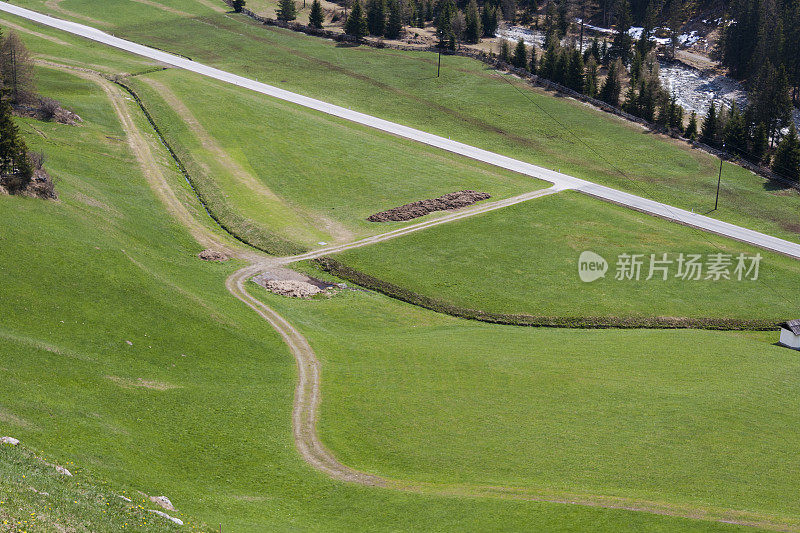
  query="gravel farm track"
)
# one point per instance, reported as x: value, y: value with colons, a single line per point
x: 308, y: 389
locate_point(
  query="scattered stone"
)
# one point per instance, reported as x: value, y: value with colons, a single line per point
x: 39, y: 492
x: 163, y: 501
x: 129, y: 343
x: 9, y: 440
x: 453, y: 200
x: 63, y: 471
x: 123, y: 498
x: 168, y: 517
x: 213, y: 255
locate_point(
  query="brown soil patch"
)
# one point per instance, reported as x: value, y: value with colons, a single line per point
x: 448, y: 202
x: 791, y: 226
x: 213, y: 255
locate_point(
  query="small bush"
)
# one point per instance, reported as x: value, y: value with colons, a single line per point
x: 49, y: 108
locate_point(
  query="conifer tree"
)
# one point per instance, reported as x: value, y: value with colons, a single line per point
x: 15, y: 167
x: 574, y: 74
x: 590, y: 84
x: 708, y: 134
x: 621, y: 46
x: 691, y: 128
x: 394, y: 25
x: 238, y: 5
x: 735, y: 134
x: 520, y: 57
x: 760, y: 144
x: 473, y: 31
x: 787, y: 157
x: 631, y: 102
x: 533, y: 65
x: 505, y: 53
x: 316, y: 17
x: 676, y: 116
x: 287, y: 10
x: 356, y: 24
x: 549, y: 64
x: 489, y: 19
x: 769, y: 100
x: 444, y: 25
x: 612, y: 87
x: 376, y: 17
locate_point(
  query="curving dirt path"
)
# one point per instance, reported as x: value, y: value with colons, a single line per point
x: 150, y: 168
x: 307, y: 398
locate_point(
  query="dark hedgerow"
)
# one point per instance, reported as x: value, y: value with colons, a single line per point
x: 341, y: 270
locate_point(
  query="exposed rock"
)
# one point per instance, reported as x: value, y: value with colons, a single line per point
x: 453, y: 200
x: 9, y: 440
x: 163, y: 501
x: 213, y: 255
x: 168, y: 517
x: 63, y: 471
x: 123, y: 498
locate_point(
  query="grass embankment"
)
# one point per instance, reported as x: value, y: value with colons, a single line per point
x: 469, y: 103
x: 34, y: 497
x: 523, y: 260
x: 687, y: 417
x: 198, y: 407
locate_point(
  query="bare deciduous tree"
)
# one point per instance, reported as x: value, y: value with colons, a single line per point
x: 16, y: 70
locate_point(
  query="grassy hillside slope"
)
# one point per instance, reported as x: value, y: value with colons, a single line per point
x: 524, y: 260
x: 469, y: 103
x: 300, y: 173
x: 197, y: 406
x: 34, y: 497
x: 696, y: 418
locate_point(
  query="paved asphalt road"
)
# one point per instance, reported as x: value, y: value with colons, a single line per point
x: 560, y: 181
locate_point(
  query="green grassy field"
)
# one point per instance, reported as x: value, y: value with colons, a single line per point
x: 469, y: 102
x: 198, y: 406
x: 524, y: 260
x: 299, y: 173
x: 691, y: 417
x: 122, y: 352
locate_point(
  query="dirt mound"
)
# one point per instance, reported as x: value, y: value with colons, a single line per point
x: 213, y: 255
x: 292, y: 288
x: 453, y: 200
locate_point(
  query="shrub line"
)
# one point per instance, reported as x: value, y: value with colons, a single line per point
x: 338, y: 269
